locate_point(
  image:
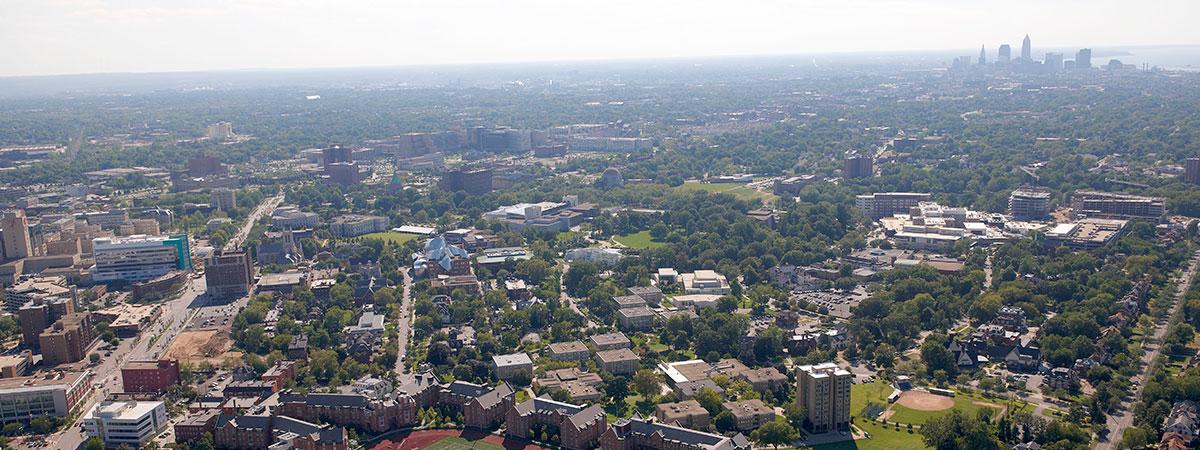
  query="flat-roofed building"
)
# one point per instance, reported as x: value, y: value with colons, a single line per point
x: 139, y: 257
x: 636, y: 318
x: 150, y: 376
x: 133, y: 423
x: 824, y: 391
x: 636, y: 433
x: 580, y: 386
x: 750, y: 414
x: 1113, y: 205
x: 688, y: 414
x: 628, y: 301
x: 68, y: 339
x: 351, y: 225
x: 1086, y: 234
x: 12, y: 366
x: 619, y: 361
x: 706, y: 282
x: 568, y: 351
x: 508, y: 366
x: 53, y: 394
x: 1029, y: 203
x: 650, y: 294
x: 886, y: 204
x: 228, y: 274
x: 610, y: 341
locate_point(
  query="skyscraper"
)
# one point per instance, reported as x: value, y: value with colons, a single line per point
x: 1083, y: 59
x: 1026, y: 49
x: 1005, y: 54
x: 15, y: 227
x: 982, y: 56
x: 1192, y: 171
x: 1053, y: 62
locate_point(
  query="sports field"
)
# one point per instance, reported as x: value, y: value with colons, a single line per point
x: 640, y: 240
x: 393, y: 237
x: 738, y: 190
x: 458, y: 443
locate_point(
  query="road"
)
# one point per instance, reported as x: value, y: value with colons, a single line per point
x: 567, y: 300
x: 146, y: 346
x: 1117, y: 423
x: 404, y: 327
x: 266, y: 207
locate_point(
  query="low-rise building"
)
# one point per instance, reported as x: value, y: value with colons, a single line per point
x: 687, y: 414
x: 580, y: 386
x: 132, y: 423
x: 568, y: 351
x: 579, y: 428
x: 618, y: 361
x: 150, y: 376
x: 351, y: 225
x: 636, y: 433
x: 704, y: 282
x: 610, y: 341
x: 636, y: 318
x: 650, y: 294
x: 508, y: 366
x: 750, y: 414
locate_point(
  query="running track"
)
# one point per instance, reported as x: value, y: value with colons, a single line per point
x: 422, y: 438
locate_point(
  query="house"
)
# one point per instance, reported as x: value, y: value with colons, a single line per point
x: 1011, y: 318
x: 618, y: 361
x: 750, y: 414
x: 568, y: 351
x: 636, y: 318
x: 509, y: 366
x: 687, y: 414
x: 1183, y: 422
x: 1062, y: 378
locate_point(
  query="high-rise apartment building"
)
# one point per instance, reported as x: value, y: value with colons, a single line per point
x: 886, y: 204
x: 858, y: 166
x: 228, y: 274
x: 68, y: 339
x: 1029, y: 203
x: 1191, y: 172
x: 37, y: 315
x: 824, y: 391
x: 139, y: 257
x: 224, y: 199
x: 15, y: 228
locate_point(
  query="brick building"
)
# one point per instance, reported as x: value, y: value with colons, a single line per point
x: 579, y: 427
x: 150, y: 376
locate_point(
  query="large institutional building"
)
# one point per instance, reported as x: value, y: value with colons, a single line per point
x: 824, y: 391
x: 1029, y: 203
x: 228, y: 274
x: 887, y: 204
x: 139, y: 257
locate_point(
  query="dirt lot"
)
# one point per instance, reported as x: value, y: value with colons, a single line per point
x: 198, y: 346
x: 924, y: 401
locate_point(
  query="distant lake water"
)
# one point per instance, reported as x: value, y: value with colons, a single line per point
x: 1182, y: 57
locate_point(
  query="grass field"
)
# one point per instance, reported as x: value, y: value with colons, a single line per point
x: 458, y: 443
x: 390, y: 236
x: 640, y: 240
x: 861, y: 394
x: 907, y: 415
x: 735, y: 189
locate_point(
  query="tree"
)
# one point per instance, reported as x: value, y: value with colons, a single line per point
x: 647, y: 383
x: 795, y: 415
x: 725, y: 421
x: 959, y: 431
x: 94, y: 444
x: 13, y: 428
x: 775, y: 433
x: 94, y: 358
x: 41, y: 425
x: 710, y: 400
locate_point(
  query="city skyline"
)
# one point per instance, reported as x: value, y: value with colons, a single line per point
x: 107, y: 36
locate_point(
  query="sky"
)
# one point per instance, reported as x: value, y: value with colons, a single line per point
x: 46, y: 37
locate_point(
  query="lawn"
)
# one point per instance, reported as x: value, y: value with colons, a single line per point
x: 393, y: 237
x: 735, y: 189
x: 458, y: 443
x: 881, y: 439
x: 640, y: 240
x: 907, y: 415
x: 861, y: 394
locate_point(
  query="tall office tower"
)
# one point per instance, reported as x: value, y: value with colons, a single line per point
x: 15, y: 227
x: 1083, y: 59
x: 858, y: 166
x: 982, y: 56
x: 1192, y: 172
x: 824, y: 391
x: 1053, y: 62
x: 1005, y: 54
x: 1026, y: 49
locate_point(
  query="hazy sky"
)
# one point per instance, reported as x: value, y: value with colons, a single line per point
x: 85, y: 36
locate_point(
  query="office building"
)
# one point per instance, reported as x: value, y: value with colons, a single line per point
x: 619, y: 361
x: 15, y: 229
x: 1029, y: 203
x: 1112, y: 205
x: 224, y: 199
x: 144, y: 226
x: 132, y: 423
x: 858, y: 166
x: 687, y: 413
x: 1191, y: 172
x: 500, y: 140
x: 291, y: 217
x: 220, y: 131
x: 139, y: 257
x: 38, y: 314
x: 228, y: 274
x: 886, y: 204
x: 107, y: 220
x: 824, y: 391
x: 336, y: 154
x: 470, y: 181
x: 150, y: 376
x: 34, y: 290
x: 1086, y: 234
x: 1026, y: 50
x: 13, y: 366
x: 982, y: 55
x: 508, y: 366
x: 344, y: 173
x: 351, y: 225
x: 1004, y: 56
x: 202, y: 166
x: 68, y: 339
x: 1083, y: 58
x: 1053, y: 62
x: 55, y: 394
